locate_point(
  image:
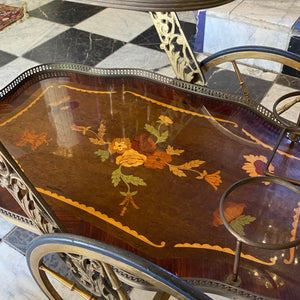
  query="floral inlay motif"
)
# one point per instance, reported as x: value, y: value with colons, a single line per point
x: 233, y: 213
x: 32, y: 138
x: 147, y: 150
x: 255, y: 165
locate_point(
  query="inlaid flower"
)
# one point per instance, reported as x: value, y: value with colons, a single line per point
x: 213, y: 179
x: 31, y: 137
x: 119, y: 145
x: 143, y: 144
x: 255, y: 165
x: 131, y: 158
x: 158, y: 160
x: 231, y: 212
x: 166, y: 120
x: 82, y: 129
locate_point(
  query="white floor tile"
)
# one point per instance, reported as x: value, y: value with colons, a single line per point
x: 187, y: 16
x: 123, y: 25
x: 139, y: 57
x: 283, y: 14
x: 5, y: 227
x: 274, y: 94
x: 26, y: 35
x: 13, y: 69
x: 32, y: 4
x: 15, y: 277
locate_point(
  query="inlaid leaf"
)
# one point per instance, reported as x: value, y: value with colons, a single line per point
x: 101, y: 131
x: 192, y: 164
x: 97, y: 142
x: 171, y: 151
x: 176, y: 171
x: 133, y: 180
x: 239, y: 223
x: 163, y: 137
x: 116, y: 177
x: 123, y: 194
x: 152, y: 129
x: 127, y: 193
x: 104, y: 154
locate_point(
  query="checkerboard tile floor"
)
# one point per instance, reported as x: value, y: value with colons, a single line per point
x: 60, y: 31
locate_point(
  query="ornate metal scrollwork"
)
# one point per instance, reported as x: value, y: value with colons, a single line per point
x: 96, y: 277
x: 15, y: 182
x: 175, y: 44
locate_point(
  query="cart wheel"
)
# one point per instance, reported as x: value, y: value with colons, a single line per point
x: 239, y: 60
x: 99, y: 269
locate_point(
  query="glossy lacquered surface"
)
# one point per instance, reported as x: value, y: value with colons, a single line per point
x: 147, y: 164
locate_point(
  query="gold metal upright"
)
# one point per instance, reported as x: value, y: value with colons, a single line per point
x: 176, y: 46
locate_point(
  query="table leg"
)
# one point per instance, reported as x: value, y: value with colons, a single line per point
x: 175, y: 44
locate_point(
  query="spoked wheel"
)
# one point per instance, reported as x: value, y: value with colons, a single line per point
x: 96, y: 266
x: 248, y: 76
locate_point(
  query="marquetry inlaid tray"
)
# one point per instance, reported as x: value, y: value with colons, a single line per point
x: 146, y: 159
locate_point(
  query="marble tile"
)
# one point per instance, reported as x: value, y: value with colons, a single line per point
x: 246, y: 67
x: 64, y: 12
x: 223, y: 11
x: 75, y: 46
x: 19, y: 239
x: 275, y: 92
x: 137, y: 294
x: 150, y: 38
x: 133, y: 56
x: 294, y: 46
x: 26, y: 35
x: 186, y: 16
x: 6, y: 58
x: 13, y: 69
x: 123, y: 25
x: 15, y: 277
x: 227, y: 81
x: 221, y: 34
x: 5, y: 227
x: 283, y: 15
x: 289, y: 81
x: 32, y: 4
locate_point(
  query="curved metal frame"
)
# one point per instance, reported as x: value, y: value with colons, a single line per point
x: 244, y: 52
x: 45, y: 71
x: 233, y: 278
x: 96, y: 251
x: 249, y: 52
x: 286, y: 107
x: 243, y: 239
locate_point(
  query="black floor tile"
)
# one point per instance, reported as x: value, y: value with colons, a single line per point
x: 290, y: 81
x: 294, y: 46
x: 19, y: 239
x: 64, y: 12
x: 227, y: 81
x: 5, y: 58
x: 150, y: 39
x: 74, y: 46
